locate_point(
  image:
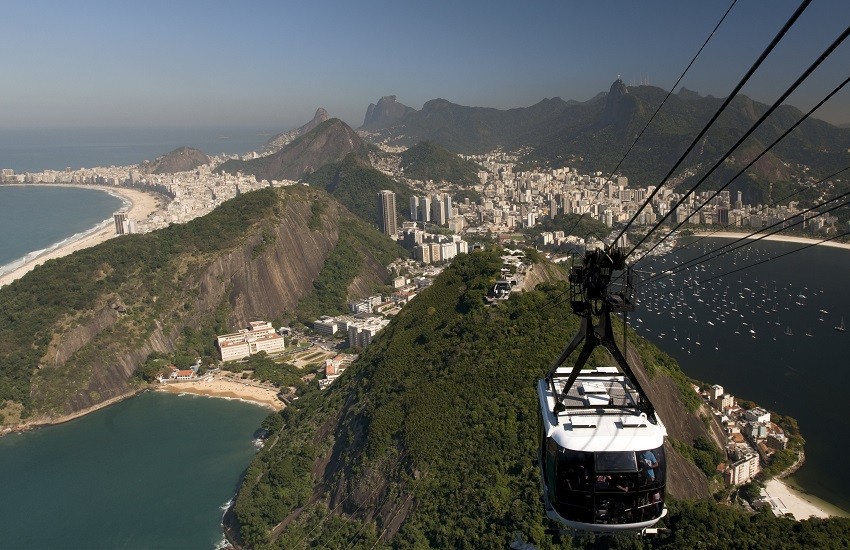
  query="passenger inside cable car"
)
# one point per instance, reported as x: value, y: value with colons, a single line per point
x: 605, y: 487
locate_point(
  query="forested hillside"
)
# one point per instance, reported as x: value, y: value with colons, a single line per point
x: 73, y: 330
x: 429, y: 440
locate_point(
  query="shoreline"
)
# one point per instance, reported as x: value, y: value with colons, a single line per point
x: 226, y: 387
x: 779, y: 238
x: 139, y: 205
x: 44, y: 422
x: 799, y: 503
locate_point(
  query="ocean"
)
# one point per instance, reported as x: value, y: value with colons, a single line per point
x: 154, y: 471
x: 766, y: 334
x: 37, y: 149
x: 37, y: 218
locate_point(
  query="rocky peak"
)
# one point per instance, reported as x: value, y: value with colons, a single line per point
x: 284, y: 138
x: 385, y: 113
x: 182, y: 159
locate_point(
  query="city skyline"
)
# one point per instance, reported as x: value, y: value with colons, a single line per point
x: 99, y: 64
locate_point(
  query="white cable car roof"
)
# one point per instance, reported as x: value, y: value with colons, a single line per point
x: 597, y: 426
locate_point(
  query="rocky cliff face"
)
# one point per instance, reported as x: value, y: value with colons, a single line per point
x: 88, y: 360
x: 385, y: 113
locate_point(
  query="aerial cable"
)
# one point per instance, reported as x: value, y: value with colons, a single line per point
x: 730, y: 224
x: 717, y: 114
x: 837, y: 42
x: 614, y: 171
x: 697, y: 283
x: 716, y: 253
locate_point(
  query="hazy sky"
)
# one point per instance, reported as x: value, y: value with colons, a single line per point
x: 271, y: 64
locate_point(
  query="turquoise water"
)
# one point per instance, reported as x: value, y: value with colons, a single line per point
x: 36, y: 217
x: 149, y: 472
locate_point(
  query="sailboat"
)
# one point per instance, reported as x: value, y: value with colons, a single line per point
x: 841, y: 328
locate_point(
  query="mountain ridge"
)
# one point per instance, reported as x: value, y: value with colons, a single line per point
x: 277, y: 142
x: 94, y: 316
x: 594, y: 135
x: 182, y: 159
x: 328, y: 142
x: 429, y: 438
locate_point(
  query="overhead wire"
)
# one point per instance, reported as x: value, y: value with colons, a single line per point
x: 748, y: 239
x: 826, y: 53
x: 669, y: 93
x: 750, y: 266
x: 776, y: 39
x: 700, y: 238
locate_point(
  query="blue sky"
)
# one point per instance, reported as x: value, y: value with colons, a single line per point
x: 272, y: 63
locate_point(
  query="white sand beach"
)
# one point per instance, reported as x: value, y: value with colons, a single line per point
x: 142, y: 205
x: 801, y: 505
x: 777, y: 237
x: 228, y: 386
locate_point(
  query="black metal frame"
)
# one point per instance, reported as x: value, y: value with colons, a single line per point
x: 591, y: 297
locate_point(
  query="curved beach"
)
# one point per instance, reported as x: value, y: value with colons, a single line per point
x: 777, y: 237
x: 229, y: 387
x: 140, y: 206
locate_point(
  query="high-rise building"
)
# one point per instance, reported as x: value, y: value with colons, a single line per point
x: 414, y: 207
x: 387, y: 213
x: 120, y: 222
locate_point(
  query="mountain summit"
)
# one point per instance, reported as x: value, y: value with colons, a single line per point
x: 181, y: 159
x: 328, y: 142
x: 284, y: 138
x: 386, y: 113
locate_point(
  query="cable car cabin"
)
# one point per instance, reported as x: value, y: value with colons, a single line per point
x: 602, y: 460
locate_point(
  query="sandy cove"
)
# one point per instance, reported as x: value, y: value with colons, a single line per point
x: 781, y: 238
x: 230, y: 387
x: 142, y: 205
x: 801, y: 505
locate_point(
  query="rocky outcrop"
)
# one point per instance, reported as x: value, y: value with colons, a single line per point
x: 329, y: 142
x: 684, y: 480
x: 385, y: 113
x: 279, y: 141
x: 90, y: 358
x: 182, y: 159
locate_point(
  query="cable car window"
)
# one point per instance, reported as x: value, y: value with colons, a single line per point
x: 616, y: 462
x: 652, y: 465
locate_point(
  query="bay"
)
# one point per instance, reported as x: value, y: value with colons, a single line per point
x: 34, y: 217
x: 150, y: 472
x: 760, y: 333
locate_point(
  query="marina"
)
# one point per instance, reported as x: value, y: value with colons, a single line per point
x: 776, y: 350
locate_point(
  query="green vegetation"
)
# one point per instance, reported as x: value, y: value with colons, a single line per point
x: 440, y: 411
x: 356, y: 184
x: 155, y: 365
x: 330, y: 289
x: 587, y: 226
x: 428, y: 160
x: 152, y: 274
x: 264, y: 369
x: 704, y: 524
x: 702, y: 452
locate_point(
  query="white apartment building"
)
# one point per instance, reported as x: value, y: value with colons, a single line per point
x: 743, y: 470
x: 259, y: 336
